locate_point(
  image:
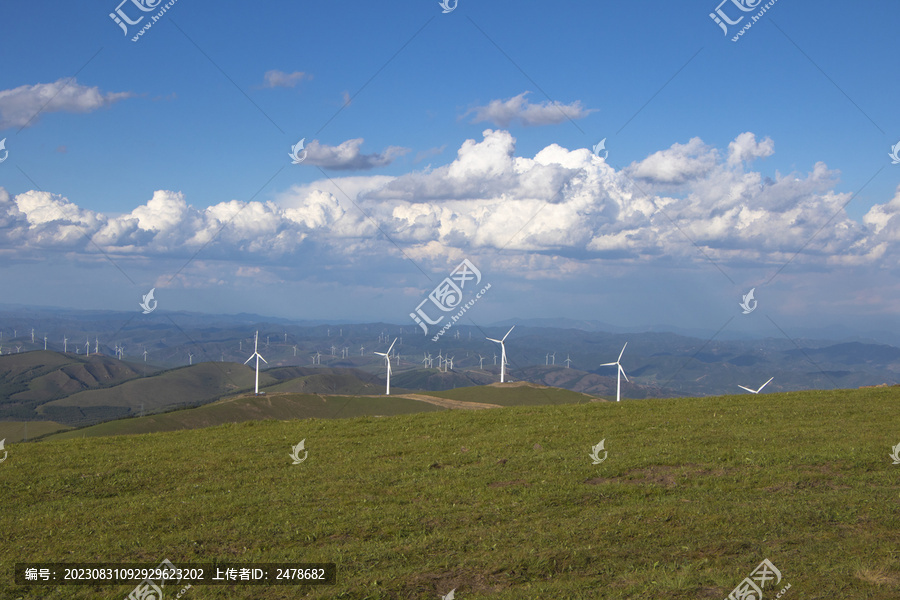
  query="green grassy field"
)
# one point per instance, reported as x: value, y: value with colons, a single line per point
x: 14, y: 431
x: 501, y: 503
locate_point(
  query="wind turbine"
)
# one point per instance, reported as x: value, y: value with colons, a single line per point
x: 619, y: 374
x: 568, y: 360
x: 65, y: 344
x: 258, y: 357
x: 87, y: 346
x: 760, y: 387
x: 553, y: 358
x: 45, y: 342
x: 481, y: 364
x: 191, y: 358
x: 502, y: 353
x: 387, y: 361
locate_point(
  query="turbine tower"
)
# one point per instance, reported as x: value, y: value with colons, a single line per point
x: 620, y: 373
x: 502, y: 353
x: 258, y: 357
x: 387, y: 361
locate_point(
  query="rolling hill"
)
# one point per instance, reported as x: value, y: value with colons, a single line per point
x: 284, y: 405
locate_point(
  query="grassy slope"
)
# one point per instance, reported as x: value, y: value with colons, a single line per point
x: 499, y: 503
x: 305, y: 406
x: 515, y: 394
x: 14, y: 431
x: 250, y: 408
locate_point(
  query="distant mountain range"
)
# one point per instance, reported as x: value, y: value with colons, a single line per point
x: 154, y: 374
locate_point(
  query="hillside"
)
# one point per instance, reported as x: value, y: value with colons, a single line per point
x: 284, y: 405
x: 29, y: 379
x: 254, y: 408
x: 195, y: 384
x: 504, y: 504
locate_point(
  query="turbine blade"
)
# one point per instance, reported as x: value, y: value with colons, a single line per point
x: 264, y: 360
x: 622, y: 352
x: 248, y: 360
x: 508, y: 332
x: 623, y: 372
x: 748, y: 389
x: 392, y: 346
x: 765, y: 384
x: 493, y: 340
x: 608, y: 364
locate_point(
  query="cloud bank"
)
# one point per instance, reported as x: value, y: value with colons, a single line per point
x: 559, y: 210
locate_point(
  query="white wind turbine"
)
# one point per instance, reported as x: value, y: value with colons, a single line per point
x: 258, y: 357
x: 502, y: 353
x: 65, y: 344
x: 760, y: 387
x: 621, y: 372
x: 387, y: 361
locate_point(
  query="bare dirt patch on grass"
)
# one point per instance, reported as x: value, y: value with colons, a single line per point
x: 447, y: 403
x: 662, y: 475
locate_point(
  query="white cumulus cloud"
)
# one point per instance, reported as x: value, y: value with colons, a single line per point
x: 518, y: 109
x: 23, y: 105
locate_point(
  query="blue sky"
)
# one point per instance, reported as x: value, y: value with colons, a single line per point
x: 164, y: 162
